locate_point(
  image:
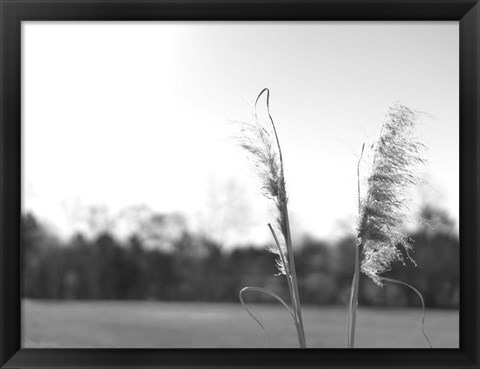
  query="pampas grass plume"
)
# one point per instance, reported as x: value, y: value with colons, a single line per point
x: 260, y: 141
x: 382, y: 208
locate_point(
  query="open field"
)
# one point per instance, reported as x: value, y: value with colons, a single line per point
x: 162, y: 324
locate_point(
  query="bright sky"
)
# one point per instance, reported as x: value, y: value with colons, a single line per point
x: 121, y: 114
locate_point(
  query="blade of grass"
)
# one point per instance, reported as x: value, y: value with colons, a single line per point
x: 298, y: 323
x: 421, y: 300
x: 353, y: 305
x: 296, y: 297
x: 270, y: 293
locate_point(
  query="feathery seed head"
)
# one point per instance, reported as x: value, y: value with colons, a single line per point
x: 382, y: 208
x: 260, y: 141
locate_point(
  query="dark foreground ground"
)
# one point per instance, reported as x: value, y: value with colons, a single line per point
x: 184, y: 325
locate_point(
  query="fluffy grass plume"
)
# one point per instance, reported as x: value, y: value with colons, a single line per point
x: 261, y: 142
x: 382, y: 209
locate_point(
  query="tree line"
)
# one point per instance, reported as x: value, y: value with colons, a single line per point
x: 196, y: 268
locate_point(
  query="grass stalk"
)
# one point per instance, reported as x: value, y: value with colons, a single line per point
x: 352, y: 311
x: 263, y: 145
x: 380, y: 226
x: 353, y: 305
x: 288, y: 240
x: 294, y: 287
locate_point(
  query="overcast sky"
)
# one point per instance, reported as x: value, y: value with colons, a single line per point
x: 121, y: 114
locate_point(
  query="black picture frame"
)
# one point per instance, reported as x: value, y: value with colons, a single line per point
x: 13, y: 12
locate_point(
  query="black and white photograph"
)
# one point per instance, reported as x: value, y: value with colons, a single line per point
x: 240, y: 184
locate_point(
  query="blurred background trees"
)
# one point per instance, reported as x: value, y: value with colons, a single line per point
x: 162, y: 260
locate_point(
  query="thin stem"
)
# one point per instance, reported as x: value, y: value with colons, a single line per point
x: 358, y: 178
x: 285, y: 265
x: 352, y: 318
x: 270, y: 293
x: 353, y: 305
x: 267, y: 91
x: 295, y: 295
x: 421, y: 300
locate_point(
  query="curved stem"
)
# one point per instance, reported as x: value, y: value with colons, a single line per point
x: 421, y: 300
x: 267, y: 91
x: 272, y: 294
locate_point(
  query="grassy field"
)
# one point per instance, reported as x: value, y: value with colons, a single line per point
x: 185, y: 325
